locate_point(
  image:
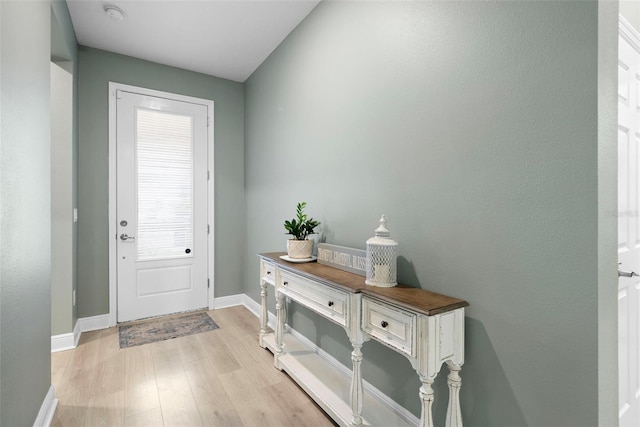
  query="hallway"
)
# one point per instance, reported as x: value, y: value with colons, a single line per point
x: 217, y: 378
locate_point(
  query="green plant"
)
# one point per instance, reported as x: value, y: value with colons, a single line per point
x: 301, y: 226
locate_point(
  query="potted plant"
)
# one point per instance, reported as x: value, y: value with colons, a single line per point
x: 299, y: 247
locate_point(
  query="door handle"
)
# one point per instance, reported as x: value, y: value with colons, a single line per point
x: 124, y: 237
x: 626, y: 273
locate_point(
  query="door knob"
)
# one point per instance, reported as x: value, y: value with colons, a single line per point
x: 124, y: 237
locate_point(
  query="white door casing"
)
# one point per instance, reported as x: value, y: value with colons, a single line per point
x: 161, y: 203
x: 629, y: 225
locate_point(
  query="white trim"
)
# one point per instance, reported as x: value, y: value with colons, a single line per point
x: 211, y: 202
x: 70, y: 340
x: 231, y: 301
x: 113, y: 88
x: 48, y: 408
x: 113, y: 264
x: 628, y: 32
x: 254, y: 307
x: 94, y: 323
x: 62, y: 342
x: 67, y: 341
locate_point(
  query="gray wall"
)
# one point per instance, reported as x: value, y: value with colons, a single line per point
x: 25, y: 218
x: 474, y: 127
x: 96, y: 69
x: 64, y: 170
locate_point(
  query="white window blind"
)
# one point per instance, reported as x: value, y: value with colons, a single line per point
x: 164, y: 165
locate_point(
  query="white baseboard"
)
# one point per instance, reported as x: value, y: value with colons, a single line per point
x: 248, y: 303
x: 229, y: 301
x: 256, y: 309
x: 252, y: 306
x: 68, y: 341
x: 48, y: 408
x: 94, y: 323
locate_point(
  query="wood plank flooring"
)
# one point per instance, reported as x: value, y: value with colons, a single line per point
x: 216, y: 378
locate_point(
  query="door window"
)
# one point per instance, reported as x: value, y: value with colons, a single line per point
x: 164, y: 165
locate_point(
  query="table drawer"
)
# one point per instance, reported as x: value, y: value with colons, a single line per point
x: 324, y: 300
x: 390, y: 325
x: 268, y: 272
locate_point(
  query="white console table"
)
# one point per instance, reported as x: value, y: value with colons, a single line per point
x: 425, y: 327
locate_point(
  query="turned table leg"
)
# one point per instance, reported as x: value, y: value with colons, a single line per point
x: 279, y: 328
x: 356, y: 384
x: 454, y: 414
x: 264, y: 318
x: 426, y: 397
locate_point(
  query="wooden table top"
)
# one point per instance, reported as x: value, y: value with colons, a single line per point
x: 415, y: 299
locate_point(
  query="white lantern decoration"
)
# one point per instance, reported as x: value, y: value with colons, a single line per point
x: 381, y: 258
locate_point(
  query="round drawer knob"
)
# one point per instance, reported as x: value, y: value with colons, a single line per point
x: 330, y: 303
x: 285, y: 283
x: 268, y: 273
x: 384, y: 324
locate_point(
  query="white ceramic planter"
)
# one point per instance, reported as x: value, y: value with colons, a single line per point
x: 299, y: 249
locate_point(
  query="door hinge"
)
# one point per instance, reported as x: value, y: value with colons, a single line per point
x: 118, y: 94
x: 208, y: 121
x: 208, y: 284
x: 208, y: 175
x: 208, y: 229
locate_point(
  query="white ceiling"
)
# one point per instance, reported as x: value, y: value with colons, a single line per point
x: 222, y: 38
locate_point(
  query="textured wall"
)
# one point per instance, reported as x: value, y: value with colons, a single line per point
x: 474, y: 127
x: 25, y: 215
x: 96, y: 69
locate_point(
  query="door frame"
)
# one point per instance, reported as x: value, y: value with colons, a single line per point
x: 631, y: 35
x: 113, y: 264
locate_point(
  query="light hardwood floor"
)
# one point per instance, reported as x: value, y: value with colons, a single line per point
x: 217, y: 378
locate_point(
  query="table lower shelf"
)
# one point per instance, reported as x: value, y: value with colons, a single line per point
x: 330, y: 387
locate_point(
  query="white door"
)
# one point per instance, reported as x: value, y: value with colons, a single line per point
x: 161, y: 207
x: 629, y: 232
